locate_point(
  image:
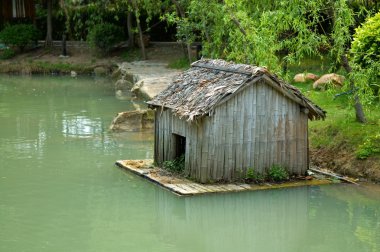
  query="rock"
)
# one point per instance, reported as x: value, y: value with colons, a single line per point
x: 311, y: 77
x: 304, y: 77
x: 133, y: 121
x: 100, y: 71
x: 122, y: 95
x: 123, y: 85
x: 116, y: 74
x: 149, y: 78
x: 333, y: 79
x: 299, y: 78
x: 150, y: 87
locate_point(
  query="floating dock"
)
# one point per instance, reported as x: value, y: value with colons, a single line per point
x: 186, y: 187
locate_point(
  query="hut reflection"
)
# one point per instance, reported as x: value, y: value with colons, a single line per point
x: 273, y: 220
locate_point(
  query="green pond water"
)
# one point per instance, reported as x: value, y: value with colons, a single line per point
x: 60, y: 190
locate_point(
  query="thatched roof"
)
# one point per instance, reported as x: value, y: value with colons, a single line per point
x: 195, y: 92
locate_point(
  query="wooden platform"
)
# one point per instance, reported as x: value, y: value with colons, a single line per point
x: 185, y: 187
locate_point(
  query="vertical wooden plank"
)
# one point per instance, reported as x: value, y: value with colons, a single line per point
x: 248, y: 119
x: 284, y: 114
x: 298, y: 122
x: 276, y: 125
x: 254, y: 145
x: 205, y: 125
x: 262, y: 122
x: 294, y: 135
x: 225, y: 143
x: 218, y: 144
x: 210, y: 158
x: 269, y: 129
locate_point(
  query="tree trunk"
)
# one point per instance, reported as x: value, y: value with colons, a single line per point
x: 131, y: 41
x: 49, y: 24
x: 135, y: 7
x: 183, y: 15
x: 360, y: 117
x: 143, y: 53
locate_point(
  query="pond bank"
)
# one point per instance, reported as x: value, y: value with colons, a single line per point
x: 48, y: 61
x: 41, y: 61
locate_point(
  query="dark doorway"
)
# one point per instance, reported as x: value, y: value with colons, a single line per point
x: 179, y: 145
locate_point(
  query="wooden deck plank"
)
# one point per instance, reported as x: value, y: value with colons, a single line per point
x: 185, y: 187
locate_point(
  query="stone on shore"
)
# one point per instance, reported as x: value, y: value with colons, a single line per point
x: 148, y: 77
x: 133, y: 121
x: 304, y: 77
x: 333, y: 79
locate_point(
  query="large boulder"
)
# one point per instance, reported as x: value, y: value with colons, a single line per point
x: 133, y: 121
x: 304, y: 77
x: 100, y: 71
x: 123, y: 85
x: 332, y: 79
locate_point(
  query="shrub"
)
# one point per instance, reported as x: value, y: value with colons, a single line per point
x: 19, y: 35
x: 370, y: 147
x: 253, y: 176
x: 365, y: 46
x: 278, y: 173
x: 7, y: 54
x: 177, y: 165
x: 104, y: 36
x: 365, y: 50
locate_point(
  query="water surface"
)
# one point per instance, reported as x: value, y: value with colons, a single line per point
x: 60, y: 190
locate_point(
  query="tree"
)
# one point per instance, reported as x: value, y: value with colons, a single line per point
x: 49, y: 23
x: 365, y: 55
x: 275, y: 33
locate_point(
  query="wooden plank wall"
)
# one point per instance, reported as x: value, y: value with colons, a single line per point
x: 257, y: 128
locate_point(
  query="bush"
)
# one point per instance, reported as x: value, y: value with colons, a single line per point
x: 365, y: 46
x: 7, y: 54
x: 371, y: 146
x: 365, y: 50
x: 253, y: 176
x: 176, y: 166
x: 19, y: 35
x: 278, y: 173
x: 104, y: 36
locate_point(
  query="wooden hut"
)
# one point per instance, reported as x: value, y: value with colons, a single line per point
x: 11, y: 10
x: 227, y: 118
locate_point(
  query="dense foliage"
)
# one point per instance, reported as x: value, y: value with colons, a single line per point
x: 104, y: 36
x: 7, y: 53
x: 366, y: 53
x: 177, y: 165
x: 19, y: 35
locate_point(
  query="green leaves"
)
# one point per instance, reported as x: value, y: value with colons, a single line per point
x: 19, y: 35
x: 365, y: 51
x: 104, y: 36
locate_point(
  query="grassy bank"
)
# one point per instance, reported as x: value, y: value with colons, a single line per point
x: 44, y: 67
x: 340, y: 143
x: 48, y: 61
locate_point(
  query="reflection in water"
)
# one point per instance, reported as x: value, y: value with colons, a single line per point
x: 262, y: 221
x: 80, y: 126
x: 59, y: 189
x: 300, y: 219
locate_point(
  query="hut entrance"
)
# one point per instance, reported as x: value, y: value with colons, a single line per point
x: 179, y: 145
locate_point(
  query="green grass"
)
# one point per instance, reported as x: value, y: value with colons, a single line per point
x: 181, y: 63
x: 130, y: 55
x: 340, y: 129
